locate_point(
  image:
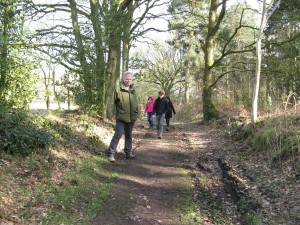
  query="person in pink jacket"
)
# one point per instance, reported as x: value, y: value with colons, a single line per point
x: 149, y: 111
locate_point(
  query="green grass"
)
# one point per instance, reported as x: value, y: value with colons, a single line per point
x: 67, y: 184
x: 188, y: 209
x: 83, y: 194
x: 252, y: 218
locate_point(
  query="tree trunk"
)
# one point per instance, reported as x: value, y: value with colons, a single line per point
x: 86, y: 78
x: 209, y: 110
x: 48, y: 103
x: 190, y: 59
x: 110, y: 76
x: 187, y: 84
x: 4, y: 52
x: 116, y: 58
x: 258, y: 59
x: 100, y: 60
x: 126, y: 35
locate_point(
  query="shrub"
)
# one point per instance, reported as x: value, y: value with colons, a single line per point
x: 278, y: 138
x: 20, y: 135
x: 189, y: 112
x: 264, y: 139
x: 240, y: 132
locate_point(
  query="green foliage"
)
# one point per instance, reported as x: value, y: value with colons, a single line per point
x: 83, y: 194
x: 59, y: 131
x: 20, y: 80
x: 21, y: 135
x: 280, y: 145
x: 240, y: 132
x: 252, y: 218
x: 16, y: 63
x: 248, y: 207
x: 70, y: 184
x: 277, y: 137
x: 188, y: 112
x: 189, y: 209
x: 283, y: 75
x: 263, y: 139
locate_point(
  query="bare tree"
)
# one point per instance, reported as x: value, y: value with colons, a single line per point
x: 266, y: 13
x: 164, y: 68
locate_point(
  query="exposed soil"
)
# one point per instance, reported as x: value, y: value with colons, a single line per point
x: 194, y: 175
x: 153, y: 188
x: 226, y: 182
x: 149, y: 191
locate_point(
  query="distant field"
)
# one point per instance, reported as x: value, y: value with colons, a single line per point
x: 53, y: 105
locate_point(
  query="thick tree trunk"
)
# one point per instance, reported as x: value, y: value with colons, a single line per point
x: 126, y: 35
x: 209, y: 110
x: 4, y: 52
x: 99, y: 78
x: 115, y: 59
x: 86, y: 75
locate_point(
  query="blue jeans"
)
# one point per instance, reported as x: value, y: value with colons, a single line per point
x: 121, y: 128
x: 160, y: 123
x: 150, y: 119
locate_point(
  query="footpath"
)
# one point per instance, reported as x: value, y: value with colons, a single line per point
x: 152, y: 188
x: 195, y: 176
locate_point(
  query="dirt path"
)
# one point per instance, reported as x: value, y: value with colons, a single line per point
x: 152, y: 187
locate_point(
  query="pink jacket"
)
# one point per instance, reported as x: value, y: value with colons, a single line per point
x: 149, y: 105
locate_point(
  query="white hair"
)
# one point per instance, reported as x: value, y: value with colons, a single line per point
x: 127, y: 73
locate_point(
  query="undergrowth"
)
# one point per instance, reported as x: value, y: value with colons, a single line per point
x: 277, y: 137
x: 270, y: 153
x: 52, y: 168
x: 21, y: 133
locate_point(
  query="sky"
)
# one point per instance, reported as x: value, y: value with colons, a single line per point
x: 162, y: 24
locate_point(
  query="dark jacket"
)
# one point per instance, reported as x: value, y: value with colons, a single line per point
x: 170, y: 110
x: 126, y: 104
x: 161, y: 106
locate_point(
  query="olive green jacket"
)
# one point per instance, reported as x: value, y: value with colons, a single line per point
x: 126, y: 104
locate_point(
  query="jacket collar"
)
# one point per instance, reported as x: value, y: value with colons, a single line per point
x: 131, y: 88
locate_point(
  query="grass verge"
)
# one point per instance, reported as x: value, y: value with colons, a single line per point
x: 68, y: 184
x: 82, y: 193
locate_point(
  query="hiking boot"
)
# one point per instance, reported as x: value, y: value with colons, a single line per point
x: 130, y: 156
x: 111, y: 158
x: 167, y: 128
x: 159, y: 137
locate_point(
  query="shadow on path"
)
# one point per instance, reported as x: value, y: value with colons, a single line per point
x: 151, y: 187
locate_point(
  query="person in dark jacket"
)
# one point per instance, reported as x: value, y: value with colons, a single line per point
x: 125, y: 101
x: 169, y: 113
x: 160, y: 109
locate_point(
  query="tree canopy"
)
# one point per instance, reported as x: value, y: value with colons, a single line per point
x: 210, y: 51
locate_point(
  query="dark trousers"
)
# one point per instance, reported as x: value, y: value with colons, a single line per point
x: 168, y: 122
x: 121, y: 128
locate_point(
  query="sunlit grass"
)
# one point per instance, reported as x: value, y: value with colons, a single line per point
x: 83, y: 194
x: 188, y: 209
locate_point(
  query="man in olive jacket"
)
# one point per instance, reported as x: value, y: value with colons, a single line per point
x: 126, y: 104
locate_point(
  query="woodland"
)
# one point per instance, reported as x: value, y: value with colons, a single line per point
x: 223, y: 62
